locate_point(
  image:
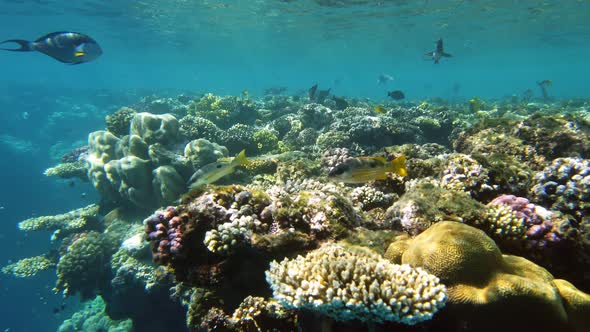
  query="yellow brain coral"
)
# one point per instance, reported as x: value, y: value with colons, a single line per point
x: 489, y: 291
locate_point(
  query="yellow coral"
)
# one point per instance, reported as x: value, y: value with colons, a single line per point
x: 29, y: 267
x: 491, y: 291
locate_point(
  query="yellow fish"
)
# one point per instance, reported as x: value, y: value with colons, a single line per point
x: 379, y: 109
x: 365, y: 169
x: 215, y: 171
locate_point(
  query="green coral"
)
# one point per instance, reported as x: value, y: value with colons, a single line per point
x: 118, y: 122
x: 84, y: 266
x: 332, y: 140
x: 93, y: 318
x: 266, y: 140
x: 29, y: 267
x: 194, y: 127
x: 68, y: 170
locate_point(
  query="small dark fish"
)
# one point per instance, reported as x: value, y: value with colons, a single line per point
x: 275, y: 90
x: 68, y: 47
x: 59, y: 309
x: 439, y: 52
x: 311, y: 91
x: 71, y: 183
x: 384, y: 79
x: 396, y: 95
x: 341, y: 103
x: 322, y: 95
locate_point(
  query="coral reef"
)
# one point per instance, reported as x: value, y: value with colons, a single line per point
x: 356, y: 284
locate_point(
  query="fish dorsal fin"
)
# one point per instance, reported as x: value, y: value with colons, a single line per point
x: 50, y: 35
x: 377, y: 158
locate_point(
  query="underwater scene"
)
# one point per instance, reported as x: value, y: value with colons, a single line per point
x: 295, y: 165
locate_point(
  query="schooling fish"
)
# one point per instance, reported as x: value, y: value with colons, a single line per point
x: 364, y: 169
x: 439, y: 52
x: 215, y: 171
x: 68, y: 47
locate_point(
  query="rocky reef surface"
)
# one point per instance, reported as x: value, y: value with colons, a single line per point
x: 489, y: 230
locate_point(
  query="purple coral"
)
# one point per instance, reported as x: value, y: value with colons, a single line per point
x: 163, y: 229
x: 537, y: 219
x: 75, y: 155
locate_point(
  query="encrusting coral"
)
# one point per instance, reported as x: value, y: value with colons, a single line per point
x: 348, y: 284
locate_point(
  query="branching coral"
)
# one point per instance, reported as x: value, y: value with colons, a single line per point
x: 356, y: 284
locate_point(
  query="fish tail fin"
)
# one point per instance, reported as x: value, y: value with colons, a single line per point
x: 398, y: 165
x: 241, y: 159
x: 23, y: 45
x: 446, y: 54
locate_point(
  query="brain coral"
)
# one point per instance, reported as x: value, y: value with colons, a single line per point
x: 489, y: 291
x: 356, y: 284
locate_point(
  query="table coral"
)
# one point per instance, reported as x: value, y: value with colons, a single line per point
x: 65, y: 223
x: 68, y: 170
x: 29, y: 267
x: 356, y: 284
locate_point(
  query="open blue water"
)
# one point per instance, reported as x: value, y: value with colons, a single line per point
x: 499, y: 48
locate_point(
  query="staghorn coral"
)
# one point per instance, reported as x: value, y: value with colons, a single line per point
x: 29, y: 267
x: 355, y: 284
x: 487, y: 290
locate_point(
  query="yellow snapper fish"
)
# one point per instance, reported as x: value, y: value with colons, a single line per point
x: 215, y: 171
x: 365, y: 169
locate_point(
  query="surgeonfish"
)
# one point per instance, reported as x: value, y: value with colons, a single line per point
x: 365, y: 169
x: 215, y: 171
x: 439, y: 52
x: 68, y: 47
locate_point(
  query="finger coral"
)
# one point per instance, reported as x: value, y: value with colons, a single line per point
x: 356, y: 284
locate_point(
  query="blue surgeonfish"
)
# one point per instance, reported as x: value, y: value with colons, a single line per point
x: 68, y: 47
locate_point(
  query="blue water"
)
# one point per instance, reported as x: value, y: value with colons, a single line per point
x: 499, y: 48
